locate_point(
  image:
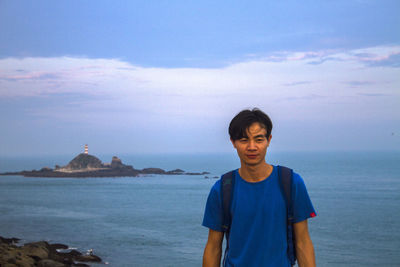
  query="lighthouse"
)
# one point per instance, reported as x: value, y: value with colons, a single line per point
x: 86, y: 149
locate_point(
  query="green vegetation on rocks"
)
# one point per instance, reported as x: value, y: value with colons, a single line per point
x: 84, y: 161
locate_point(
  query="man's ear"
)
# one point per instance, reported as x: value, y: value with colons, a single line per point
x: 233, y: 143
x: 269, y: 139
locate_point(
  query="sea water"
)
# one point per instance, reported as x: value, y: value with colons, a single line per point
x: 156, y: 220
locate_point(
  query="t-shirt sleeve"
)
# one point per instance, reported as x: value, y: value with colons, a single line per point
x: 302, y: 208
x: 213, y: 211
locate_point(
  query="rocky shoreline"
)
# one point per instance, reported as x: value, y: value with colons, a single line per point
x: 85, y: 166
x: 41, y: 254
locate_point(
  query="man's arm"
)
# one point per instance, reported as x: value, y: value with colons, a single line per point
x: 213, y: 249
x: 304, y: 247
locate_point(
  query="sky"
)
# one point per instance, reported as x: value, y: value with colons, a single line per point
x: 158, y: 77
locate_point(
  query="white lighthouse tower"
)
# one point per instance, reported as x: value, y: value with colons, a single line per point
x: 86, y: 149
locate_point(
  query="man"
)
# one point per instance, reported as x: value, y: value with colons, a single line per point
x: 257, y: 236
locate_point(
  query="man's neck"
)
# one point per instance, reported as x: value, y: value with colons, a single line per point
x: 255, y: 173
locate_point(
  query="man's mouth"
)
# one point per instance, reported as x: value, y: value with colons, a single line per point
x: 251, y: 156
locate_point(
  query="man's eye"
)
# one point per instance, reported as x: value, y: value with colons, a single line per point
x: 243, y: 140
x: 260, y: 140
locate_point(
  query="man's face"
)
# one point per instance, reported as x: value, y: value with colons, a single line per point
x: 253, y: 148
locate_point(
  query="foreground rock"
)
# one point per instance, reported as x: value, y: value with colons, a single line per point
x: 40, y: 254
x: 85, y: 165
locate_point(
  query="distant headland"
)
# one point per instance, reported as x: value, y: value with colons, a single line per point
x: 85, y: 165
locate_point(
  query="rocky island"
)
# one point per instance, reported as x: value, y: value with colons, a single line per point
x: 42, y: 254
x: 85, y: 165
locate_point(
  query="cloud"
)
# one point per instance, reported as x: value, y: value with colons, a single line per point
x: 32, y: 76
x: 390, y: 61
x: 322, y: 60
x: 297, y: 83
x: 132, y: 107
x: 386, y: 56
x: 372, y: 94
x: 358, y: 83
x: 305, y: 97
x: 111, y: 86
x: 378, y: 56
x: 294, y: 56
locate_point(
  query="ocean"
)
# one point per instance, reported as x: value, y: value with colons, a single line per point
x: 156, y: 220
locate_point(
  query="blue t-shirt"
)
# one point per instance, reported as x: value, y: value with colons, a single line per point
x: 258, y: 229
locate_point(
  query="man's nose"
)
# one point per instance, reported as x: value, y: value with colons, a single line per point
x: 252, y: 145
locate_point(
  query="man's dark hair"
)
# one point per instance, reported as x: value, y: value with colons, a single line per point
x: 244, y: 119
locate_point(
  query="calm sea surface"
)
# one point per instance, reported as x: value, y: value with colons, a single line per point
x: 156, y: 220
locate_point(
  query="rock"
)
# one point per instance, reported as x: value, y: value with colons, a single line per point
x: 37, y: 250
x: 176, y: 171
x: 116, y: 163
x: 12, y: 256
x: 197, y: 173
x: 40, y: 254
x: 58, y: 246
x: 152, y: 171
x: 9, y: 241
x: 87, y: 258
x: 84, y: 161
x: 65, y: 257
x: 50, y: 263
x: 72, y: 253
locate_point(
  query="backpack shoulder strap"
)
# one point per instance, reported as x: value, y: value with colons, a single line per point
x: 227, y: 183
x: 285, y: 177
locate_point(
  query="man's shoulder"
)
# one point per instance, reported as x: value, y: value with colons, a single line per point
x: 297, y: 179
x: 217, y: 185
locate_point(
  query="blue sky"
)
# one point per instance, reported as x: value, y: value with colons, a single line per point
x: 167, y: 76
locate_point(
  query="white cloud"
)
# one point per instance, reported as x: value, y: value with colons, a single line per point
x: 317, y: 100
x: 272, y: 82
